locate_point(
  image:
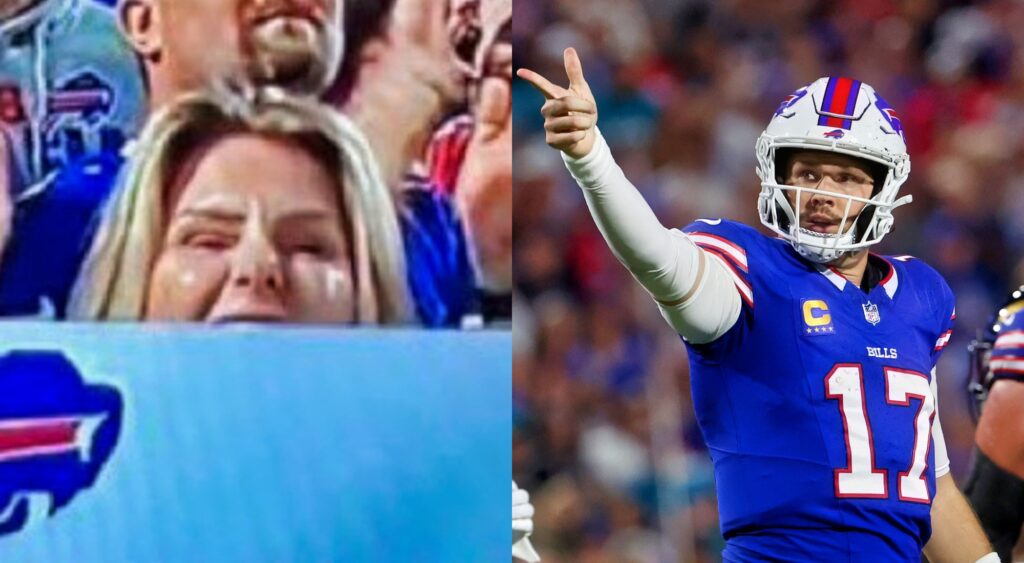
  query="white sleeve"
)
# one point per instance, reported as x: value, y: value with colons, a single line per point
x: 693, y: 289
x: 941, y: 457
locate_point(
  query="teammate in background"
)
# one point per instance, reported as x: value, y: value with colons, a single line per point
x: 812, y: 361
x: 995, y: 487
x: 256, y: 208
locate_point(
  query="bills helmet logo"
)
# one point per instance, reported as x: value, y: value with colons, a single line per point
x: 890, y: 116
x: 789, y: 101
x: 834, y: 134
x: 56, y: 433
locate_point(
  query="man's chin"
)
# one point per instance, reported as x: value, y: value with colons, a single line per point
x: 299, y: 63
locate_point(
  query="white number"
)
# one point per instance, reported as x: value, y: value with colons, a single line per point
x: 860, y: 478
x: 900, y: 387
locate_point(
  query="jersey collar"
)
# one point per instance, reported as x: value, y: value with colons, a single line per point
x: 889, y: 283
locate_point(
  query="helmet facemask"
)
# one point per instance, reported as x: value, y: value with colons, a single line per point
x: 870, y: 137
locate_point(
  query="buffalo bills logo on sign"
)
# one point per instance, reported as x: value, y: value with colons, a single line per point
x: 56, y: 433
x: 834, y: 134
x: 890, y: 116
x: 789, y: 101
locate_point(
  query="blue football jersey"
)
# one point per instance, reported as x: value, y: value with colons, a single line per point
x: 817, y: 404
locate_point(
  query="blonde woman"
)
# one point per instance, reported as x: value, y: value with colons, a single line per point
x: 255, y: 207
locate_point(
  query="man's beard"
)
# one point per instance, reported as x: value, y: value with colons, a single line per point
x: 295, y: 53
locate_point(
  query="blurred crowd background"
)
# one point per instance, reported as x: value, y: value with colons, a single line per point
x: 605, y: 437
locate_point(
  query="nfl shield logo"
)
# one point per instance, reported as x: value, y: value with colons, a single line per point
x: 871, y: 313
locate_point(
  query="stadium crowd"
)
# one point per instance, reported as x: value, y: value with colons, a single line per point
x: 419, y: 89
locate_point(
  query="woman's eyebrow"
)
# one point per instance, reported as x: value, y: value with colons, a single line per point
x: 217, y: 214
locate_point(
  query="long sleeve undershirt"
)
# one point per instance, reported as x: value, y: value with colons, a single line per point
x: 693, y: 289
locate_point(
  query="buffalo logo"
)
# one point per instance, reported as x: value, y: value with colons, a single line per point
x: 56, y: 433
x: 890, y: 117
x: 85, y: 94
x: 78, y: 119
x: 789, y: 101
x: 834, y: 134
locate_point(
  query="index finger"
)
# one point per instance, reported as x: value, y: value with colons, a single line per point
x: 574, y: 68
x: 549, y: 90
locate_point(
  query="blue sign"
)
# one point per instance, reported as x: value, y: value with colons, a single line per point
x: 147, y: 443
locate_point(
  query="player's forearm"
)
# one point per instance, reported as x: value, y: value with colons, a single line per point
x: 666, y: 265
x: 956, y: 534
x: 694, y: 291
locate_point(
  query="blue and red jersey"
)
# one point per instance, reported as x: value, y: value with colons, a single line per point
x: 817, y: 405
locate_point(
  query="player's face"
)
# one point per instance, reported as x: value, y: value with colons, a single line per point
x: 295, y: 43
x: 255, y: 233
x: 833, y: 173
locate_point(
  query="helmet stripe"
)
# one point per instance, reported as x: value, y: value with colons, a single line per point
x: 851, y: 105
x: 841, y: 95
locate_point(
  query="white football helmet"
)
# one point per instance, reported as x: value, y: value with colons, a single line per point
x: 843, y: 116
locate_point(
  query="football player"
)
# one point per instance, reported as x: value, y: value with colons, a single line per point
x: 995, y: 487
x: 812, y: 360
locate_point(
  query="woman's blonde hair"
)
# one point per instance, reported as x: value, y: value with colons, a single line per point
x: 113, y: 281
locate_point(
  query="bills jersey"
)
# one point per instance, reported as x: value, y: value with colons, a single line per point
x: 817, y: 405
x: 447, y: 151
x: 441, y: 278
x: 70, y: 89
